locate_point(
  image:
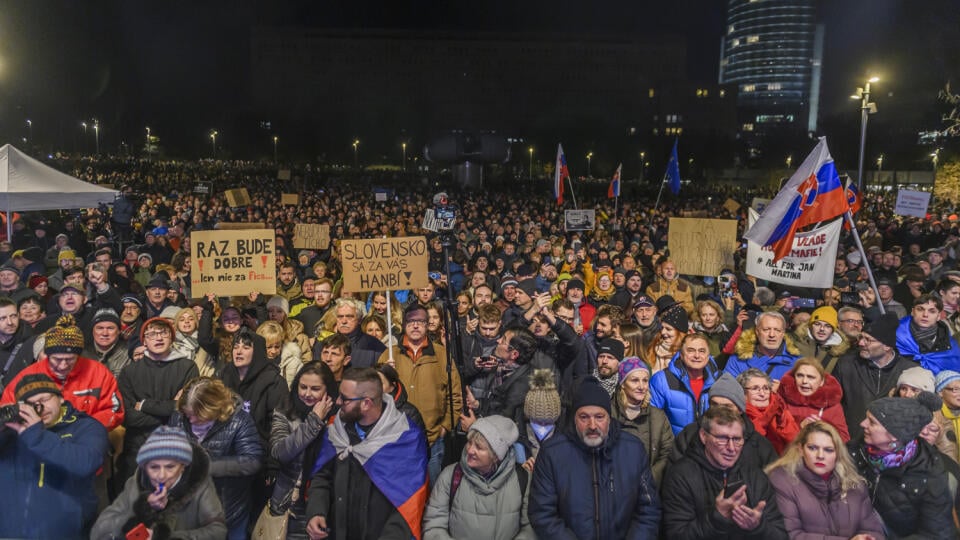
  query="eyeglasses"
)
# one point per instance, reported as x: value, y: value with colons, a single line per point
x: 417, y: 321
x: 857, y: 322
x: 157, y: 334
x: 342, y: 399
x: 758, y: 389
x: 724, y: 440
x: 952, y: 390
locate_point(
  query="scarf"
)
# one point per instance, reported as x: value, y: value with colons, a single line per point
x: 609, y: 383
x: 924, y: 336
x: 954, y: 417
x: 882, y: 460
x: 720, y: 327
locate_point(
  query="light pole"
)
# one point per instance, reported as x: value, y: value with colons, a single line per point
x: 866, y: 109
x: 213, y: 142
x: 643, y: 166
x: 96, y: 134
x: 30, y: 130
x: 530, y: 171
x: 275, y: 139
x: 935, y: 158
x: 403, y: 164
x: 789, y: 160
x: 589, y: 158
x: 356, y: 161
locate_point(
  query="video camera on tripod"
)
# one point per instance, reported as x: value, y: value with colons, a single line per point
x: 442, y: 217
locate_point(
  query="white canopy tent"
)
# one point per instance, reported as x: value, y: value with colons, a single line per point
x: 27, y: 184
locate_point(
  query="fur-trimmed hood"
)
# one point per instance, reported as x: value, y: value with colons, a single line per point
x: 827, y: 395
x: 747, y: 344
x: 836, y: 344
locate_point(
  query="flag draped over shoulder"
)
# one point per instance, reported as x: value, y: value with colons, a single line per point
x: 673, y: 169
x: 394, y: 456
x: 560, y: 173
x: 614, y: 189
x: 813, y: 194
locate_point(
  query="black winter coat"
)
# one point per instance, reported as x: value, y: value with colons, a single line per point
x: 507, y: 399
x: 262, y: 389
x: 863, y: 383
x: 569, y: 355
x: 757, y: 450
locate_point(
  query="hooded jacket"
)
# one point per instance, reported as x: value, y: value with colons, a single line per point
x: 828, y: 354
x: 747, y: 356
x: 587, y: 493
x: 262, y: 389
x: 670, y: 391
x: 824, y: 403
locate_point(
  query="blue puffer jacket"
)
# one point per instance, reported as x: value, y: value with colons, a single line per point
x: 235, y: 457
x: 670, y: 391
x: 566, y: 504
x: 47, y: 487
x: 945, y: 354
x: 746, y: 356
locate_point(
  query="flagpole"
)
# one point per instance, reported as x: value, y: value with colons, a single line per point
x: 863, y: 255
x: 572, y: 194
x: 616, y: 222
x: 659, y: 193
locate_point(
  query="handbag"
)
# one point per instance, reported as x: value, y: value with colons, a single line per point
x: 269, y: 526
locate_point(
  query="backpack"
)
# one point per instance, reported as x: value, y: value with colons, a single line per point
x: 458, y: 477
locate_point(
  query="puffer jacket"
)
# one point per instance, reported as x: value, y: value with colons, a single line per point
x: 815, y: 508
x: 491, y: 508
x: 193, y: 509
x: 289, y: 440
x: 828, y: 354
x: 652, y: 427
x: 914, y: 500
x: 746, y: 356
x: 235, y: 457
x: 587, y: 493
x: 262, y: 389
x: 670, y: 391
x: 823, y: 404
x: 293, y: 332
x: 690, y: 489
x: 680, y: 289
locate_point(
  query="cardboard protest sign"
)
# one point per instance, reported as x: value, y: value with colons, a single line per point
x: 290, y: 199
x: 283, y: 174
x: 731, y: 205
x: 232, y: 263
x: 384, y: 263
x: 912, y: 203
x: 311, y: 236
x: 237, y: 197
x: 240, y: 225
x: 579, y: 220
x: 702, y: 247
x: 809, y: 264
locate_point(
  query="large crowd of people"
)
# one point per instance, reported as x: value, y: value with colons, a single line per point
x: 544, y: 383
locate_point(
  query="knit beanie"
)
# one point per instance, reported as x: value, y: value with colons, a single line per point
x: 612, y: 346
x: 588, y: 393
x: 542, y: 403
x: 727, y: 387
x: 629, y: 364
x: 166, y: 442
x: 158, y: 320
x: 9, y: 266
x: 279, y: 302
x: 919, y: 377
x: 33, y: 384
x: 825, y: 314
x: 36, y: 280
x: 500, y: 433
x: 904, y: 418
x: 64, y: 337
x: 944, y: 378
x: 66, y: 254
x: 105, y: 315
x: 676, y: 317
x: 170, y: 312
x: 576, y: 284
x: 884, y: 329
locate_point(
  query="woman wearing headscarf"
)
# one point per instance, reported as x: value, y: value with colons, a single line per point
x: 631, y: 406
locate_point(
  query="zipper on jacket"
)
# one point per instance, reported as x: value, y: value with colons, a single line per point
x: 596, y: 497
x: 42, y: 468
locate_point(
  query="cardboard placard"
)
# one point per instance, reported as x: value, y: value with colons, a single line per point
x: 290, y: 199
x: 237, y: 197
x: 232, y: 263
x: 202, y: 188
x: 912, y: 203
x: 702, y: 247
x: 311, y: 236
x: 283, y: 174
x: 579, y: 220
x: 384, y: 264
x: 731, y: 205
x: 240, y: 225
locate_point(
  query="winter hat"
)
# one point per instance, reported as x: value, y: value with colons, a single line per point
x: 542, y: 403
x: 630, y: 273
x: 279, y: 302
x: 36, y: 280
x: 131, y: 298
x: 508, y: 281
x: 158, y: 320
x: 145, y: 255
x: 105, y: 315
x: 500, y: 433
x: 676, y: 317
x: 170, y: 312
x: 588, y: 393
x: 10, y: 267
x: 884, y: 329
x: 944, y: 378
x: 528, y: 286
x: 159, y: 282
x: 166, y: 442
x: 64, y: 337
x: 630, y: 364
x: 66, y: 254
x: 825, y: 314
x: 665, y: 302
x: 644, y: 301
x: 854, y: 258
x: 33, y: 384
x: 576, y: 284
x: 727, y: 387
x: 904, y: 418
x: 918, y: 377
x: 33, y: 254
x: 611, y: 346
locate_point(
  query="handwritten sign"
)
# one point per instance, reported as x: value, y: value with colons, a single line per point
x: 232, y: 263
x: 384, y: 264
x: 240, y: 225
x: 579, y: 220
x: 289, y: 199
x: 283, y: 174
x: 912, y: 203
x: 237, y: 197
x: 731, y: 205
x: 311, y: 236
x: 809, y: 264
x: 702, y: 247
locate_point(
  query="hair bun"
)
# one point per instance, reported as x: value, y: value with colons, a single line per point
x: 930, y: 401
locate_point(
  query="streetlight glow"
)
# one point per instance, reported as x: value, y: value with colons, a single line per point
x: 356, y: 162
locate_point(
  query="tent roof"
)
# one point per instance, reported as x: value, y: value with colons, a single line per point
x: 27, y: 184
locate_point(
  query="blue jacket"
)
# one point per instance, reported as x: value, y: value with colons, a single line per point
x: 564, y: 503
x: 746, y: 357
x: 670, y: 391
x: 945, y: 353
x: 48, y: 477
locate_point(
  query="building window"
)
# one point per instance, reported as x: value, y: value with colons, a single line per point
x: 748, y: 127
x: 723, y: 93
x: 651, y: 93
x: 753, y: 39
x: 734, y: 43
x: 749, y: 88
x: 774, y: 86
x: 729, y: 28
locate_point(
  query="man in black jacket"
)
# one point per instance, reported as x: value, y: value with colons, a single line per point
x: 364, y: 349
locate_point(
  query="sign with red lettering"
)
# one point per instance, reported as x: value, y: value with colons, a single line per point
x: 233, y: 263
x: 809, y: 264
x: 385, y: 264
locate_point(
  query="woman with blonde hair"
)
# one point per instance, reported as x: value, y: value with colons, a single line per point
x: 631, y: 406
x: 812, y: 394
x: 285, y: 354
x: 820, y: 491
x: 187, y: 341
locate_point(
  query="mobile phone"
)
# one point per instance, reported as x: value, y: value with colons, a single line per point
x: 139, y: 532
x: 731, y: 488
x: 434, y: 276
x: 803, y: 303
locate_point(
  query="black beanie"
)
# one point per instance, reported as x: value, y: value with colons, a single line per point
x: 611, y: 346
x: 884, y: 329
x: 589, y: 392
x: 676, y: 317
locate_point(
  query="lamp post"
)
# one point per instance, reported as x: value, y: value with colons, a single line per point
x: 30, y: 130
x: 275, y: 140
x: 403, y: 163
x: 589, y: 158
x: 866, y: 109
x: 789, y: 160
x: 643, y: 166
x: 530, y: 169
x: 213, y: 142
x: 96, y: 134
x: 356, y: 161
x: 935, y: 158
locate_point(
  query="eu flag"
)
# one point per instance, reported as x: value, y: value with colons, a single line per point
x: 673, y: 169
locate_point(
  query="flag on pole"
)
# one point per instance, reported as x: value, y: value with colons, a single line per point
x: 560, y: 173
x: 673, y: 169
x: 614, y: 190
x: 811, y: 195
x: 853, y: 199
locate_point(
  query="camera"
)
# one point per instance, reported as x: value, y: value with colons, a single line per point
x: 11, y: 413
x: 442, y: 217
x: 849, y: 298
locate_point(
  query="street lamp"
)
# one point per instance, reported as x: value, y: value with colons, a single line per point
x: 96, y: 134
x: 275, y: 139
x: 866, y: 109
x: 643, y: 166
x: 356, y: 162
x: 589, y: 158
x: 30, y: 129
x: 789, y: 160
x: 213, y: 142
x: 403, y: 164
x: 530, y: 171
x: 935, y: 158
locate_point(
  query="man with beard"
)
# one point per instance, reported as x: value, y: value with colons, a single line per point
x: 16, y: 342
x: 312, y: 315
x: 850, y: 321
x: 508, y: 383
x: 606, y: 324
x: 609, y: 355
x: 288, y: 286
x: 633, y: 289
x: 565, y: 500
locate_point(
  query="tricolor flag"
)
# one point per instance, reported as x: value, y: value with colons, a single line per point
x: 560, y: 173
x: 853, y: 197
x: 614, y: 189
x: 813, y: 194
x: 673, y: 169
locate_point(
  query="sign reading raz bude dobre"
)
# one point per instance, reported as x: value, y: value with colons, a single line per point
x: 702, y: 247
x: 809, y: 264
x: 384, y: 264
x: 232, y: 263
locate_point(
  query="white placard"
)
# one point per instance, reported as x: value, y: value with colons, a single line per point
x: 912, y: 203
x: 579, y: 220
x: 809, y: 264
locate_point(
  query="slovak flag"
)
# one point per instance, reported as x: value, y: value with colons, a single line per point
x: 560, y: 173
x: 813, y: 194
x: 853, y: 197
x: 614, y: 189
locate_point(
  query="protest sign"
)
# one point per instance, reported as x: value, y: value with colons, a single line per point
x: 702, y: 247
x: 912, y: 203
x: 289, y: 199
x: 579, y: 220
x: 237, y: 197
x: 283, y: 174
x: 731, y: 205
x: 809, y: 264
x: 384, y: 263
x: 759, y: 204
x: 240, y: 225
x: 380, y: 196
x: 311, y: 236
x: 232, y: 263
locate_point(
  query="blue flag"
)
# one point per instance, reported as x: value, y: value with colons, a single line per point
x: 673, y: 169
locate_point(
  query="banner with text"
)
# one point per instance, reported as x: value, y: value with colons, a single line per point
x: 702, y: 247
x: 809, y: 264
x: 232, y: 263
x: 912, y: 203
x: 385, y: 264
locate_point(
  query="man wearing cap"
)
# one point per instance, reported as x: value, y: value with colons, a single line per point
x: 50, y: 258
x: 49, y: 456
x: 584, y: 311
x: 143, y: 270
x: 10, y: 284
x: 766, y: 347
x: 819, y: 338
x: 157, y: 300
x: 547, y: 274
x: 632, y: 291
x: 925, y: 339
x: 565, y: 500
x: 668, y: 281
x: 524, y: 293
x: 306, y: 294
x: 107, y: 345
x: 131, y: 318
x: 508, y: 291
x: 606, y: 323
x: 874, y: 373
x: 65, y: 261
x: 609, y: 354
